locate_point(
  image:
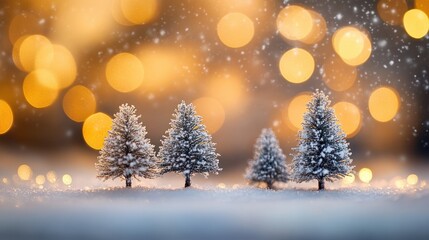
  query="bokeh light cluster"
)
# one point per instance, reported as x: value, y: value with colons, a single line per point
x: 235, y: 30
x: 50, y: 68
x: 26, y: 175
x: 245, y: 64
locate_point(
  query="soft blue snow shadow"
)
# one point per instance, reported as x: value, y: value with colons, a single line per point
x: 244, y: 213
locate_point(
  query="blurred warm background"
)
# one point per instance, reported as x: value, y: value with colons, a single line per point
x: 66, y: 66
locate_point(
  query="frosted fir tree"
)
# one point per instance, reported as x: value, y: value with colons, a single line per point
x: 322, y: 153
x: 126, y: 152
x: 269, y: 163
x: 187, y: 147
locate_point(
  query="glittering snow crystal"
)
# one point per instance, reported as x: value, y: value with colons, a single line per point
x: 187, y: 148
x: 269, y: 163
x: 322, y: 153
x: 127, y: 152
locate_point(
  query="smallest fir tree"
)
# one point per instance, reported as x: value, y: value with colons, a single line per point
x: 127, y: 152
x: 269, y: 163
x: 323, y: 152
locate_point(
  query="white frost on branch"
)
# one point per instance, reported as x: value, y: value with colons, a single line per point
x: 269, y: 163
x: 126, y: 151
x: 187, y: 147
x: 322, y: 153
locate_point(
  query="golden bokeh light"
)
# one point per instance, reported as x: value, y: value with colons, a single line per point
x: 392, y: 11
x: 318, y: 31
x: 299, y: 24
x: 416, y: 23
x: 422, y: 5
x: 352, y: 45
x: 228, y: 88
x: 365, y: 175
x: 412, y: 179
x: 40, y: 88
x: 51, y: 176
x: 117, y: 13
x: 296, y: 65
x: 40, y: 179
x: 6, y: 117
x: 29, y: 49
x: 24, y: 172
x: 235, y: 30
x: 134, y: 12
x: 67, y: 179
x: 349, y: 118
x: 294, y: 22
x: 338, y: 75
x: 60, y: 62
x: 79, y: 103
x: 212, y: 112
x: 400, y: 183
x: 296, y: 109
x: 349, y: 179
x: 95, y: 129
x: 383, y: 104
x: 15, y: 52
x: 124, y: 72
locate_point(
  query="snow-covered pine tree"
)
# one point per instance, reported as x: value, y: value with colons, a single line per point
x: 187, y: 147
x: 322, y: 153
x: 269, y: 163
x: 127, y: 152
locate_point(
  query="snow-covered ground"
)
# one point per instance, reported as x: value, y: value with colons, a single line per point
x: 242, y: 213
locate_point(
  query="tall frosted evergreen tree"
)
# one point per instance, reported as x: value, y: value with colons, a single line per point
x: 127, y: 152
x: 322, y: 153
x: 269, y: 163
x: 187, y: 147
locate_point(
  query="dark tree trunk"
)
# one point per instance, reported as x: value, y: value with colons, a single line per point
x: 270, y: 185
x: 187, y: 180
x: 128, y: 182
x: 322, y: 184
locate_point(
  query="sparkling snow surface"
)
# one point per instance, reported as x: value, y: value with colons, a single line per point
x: 242, y: 213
